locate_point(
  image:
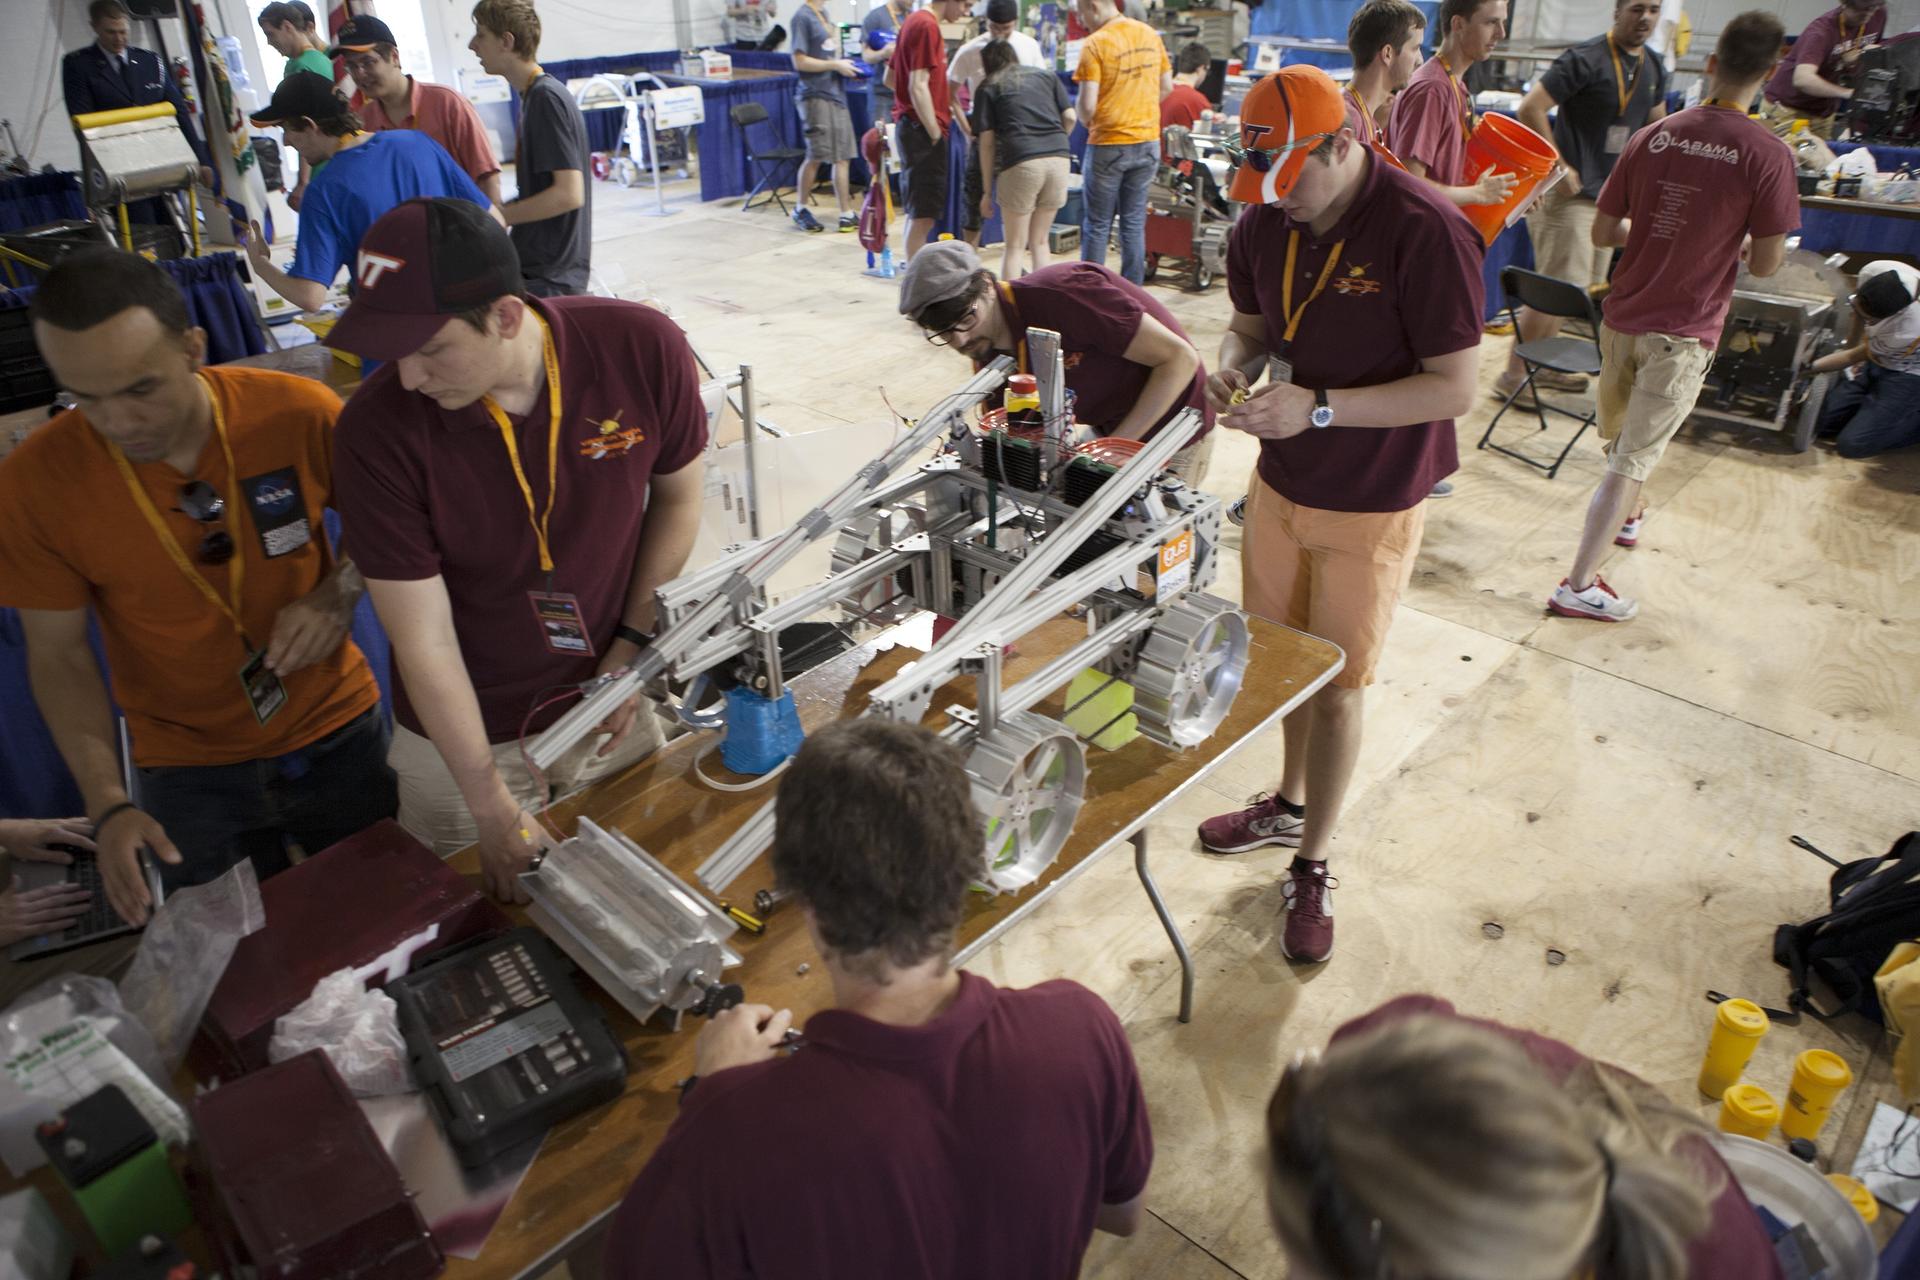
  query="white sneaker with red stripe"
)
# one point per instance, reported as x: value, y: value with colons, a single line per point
x: 1629, y: 535
x: 1599, y: 602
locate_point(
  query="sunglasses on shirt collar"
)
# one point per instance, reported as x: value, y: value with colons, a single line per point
x: 202, y: 503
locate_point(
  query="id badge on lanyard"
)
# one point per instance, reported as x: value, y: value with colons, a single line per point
x: 1617, y: 139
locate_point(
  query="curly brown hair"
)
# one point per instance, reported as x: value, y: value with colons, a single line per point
x: 876, y: 832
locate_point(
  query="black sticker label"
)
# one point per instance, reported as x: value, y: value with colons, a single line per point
x: 279, y: 514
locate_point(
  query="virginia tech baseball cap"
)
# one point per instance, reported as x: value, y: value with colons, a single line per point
x: 1285, y: 116
x: 359, y: 34
x: 425, y: 260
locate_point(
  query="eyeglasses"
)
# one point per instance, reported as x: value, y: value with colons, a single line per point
x: 943, y: 338
x: 357, y: 63
x: 1263, y: 161
x: 202, y: 503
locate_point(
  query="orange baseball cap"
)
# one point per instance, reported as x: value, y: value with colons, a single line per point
x: 1285, y: 116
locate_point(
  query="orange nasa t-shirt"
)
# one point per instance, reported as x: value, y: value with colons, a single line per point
x: 1126, y: 59
x: 71, y: 537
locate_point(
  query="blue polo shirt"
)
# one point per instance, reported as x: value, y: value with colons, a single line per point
x: 361, y: 184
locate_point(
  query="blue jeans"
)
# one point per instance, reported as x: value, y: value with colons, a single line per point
x: 219, y: 814
x: 1115, y: 180
x: 1873, y: 413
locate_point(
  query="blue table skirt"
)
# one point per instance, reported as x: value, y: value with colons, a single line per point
x: 1825, y: 231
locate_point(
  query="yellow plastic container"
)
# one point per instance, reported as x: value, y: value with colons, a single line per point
x: 1819, y: 1078
x: 1857, y: 1194
x: 1748, y: 1110
x: 1737, y: 1028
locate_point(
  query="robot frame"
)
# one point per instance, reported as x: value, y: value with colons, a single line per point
x: 1001, y: 531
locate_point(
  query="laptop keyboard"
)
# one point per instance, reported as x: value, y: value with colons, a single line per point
x: 100, y: 917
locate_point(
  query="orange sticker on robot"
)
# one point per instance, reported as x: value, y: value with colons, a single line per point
x: 1175, y: 568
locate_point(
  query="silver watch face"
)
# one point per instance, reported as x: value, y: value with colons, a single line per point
x: 1322, y: 415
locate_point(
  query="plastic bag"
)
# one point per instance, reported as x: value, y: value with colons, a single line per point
x: 58, y: 1044
x: 1857, y: 163
x: 356, y: 1027
x: 183, y: 954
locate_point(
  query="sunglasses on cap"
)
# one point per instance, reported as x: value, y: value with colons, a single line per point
x: 202, y: 503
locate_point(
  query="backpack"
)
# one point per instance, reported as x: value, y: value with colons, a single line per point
x: 1876, y: 906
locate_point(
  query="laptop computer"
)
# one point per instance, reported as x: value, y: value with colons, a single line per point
x: 101, y: 921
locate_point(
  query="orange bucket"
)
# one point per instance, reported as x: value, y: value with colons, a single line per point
x: 1504, y: 145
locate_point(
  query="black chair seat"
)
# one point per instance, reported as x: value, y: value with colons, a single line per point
x: 1563, y: 355
x: 782, y: 153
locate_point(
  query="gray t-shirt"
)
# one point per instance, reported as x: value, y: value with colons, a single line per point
x: 1583, y: 82
x: 1022, y: 105
x: 554, y: 252
x: 813, y: 37
x: 880, y: 19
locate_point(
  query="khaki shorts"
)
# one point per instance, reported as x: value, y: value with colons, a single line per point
x: 1033, y: 184
x: 432, y: 809
x: 828, y: 129
x: 1333, y: 574
x: 1561, y: 226
x: 1648, y: 383
x: 1780, y: 119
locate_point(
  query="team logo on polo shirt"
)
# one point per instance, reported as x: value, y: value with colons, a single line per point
x: 610, y: 439
x: 279, y: 517
x: 1356, y: 282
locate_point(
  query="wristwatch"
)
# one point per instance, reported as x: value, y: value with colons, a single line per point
x: 1322, y: 415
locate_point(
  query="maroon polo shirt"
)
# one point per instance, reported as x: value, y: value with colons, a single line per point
x: 980, y: 1144
x: 1429, y: 123
x: 1694, y: 185
x: 1096, y: 312
x: 1735, y: 1246
x: 1823, y: 45
x: 1407, y: 288
x: 424, y: 491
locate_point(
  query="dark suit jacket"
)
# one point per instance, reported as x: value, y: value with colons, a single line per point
x: 92, y: 84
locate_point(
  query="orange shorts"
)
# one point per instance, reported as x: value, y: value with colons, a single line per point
x: 1333, y: 574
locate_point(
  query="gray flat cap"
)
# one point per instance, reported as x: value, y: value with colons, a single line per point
x: 938, y: 272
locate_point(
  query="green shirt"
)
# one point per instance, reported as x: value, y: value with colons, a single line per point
x: 311, y: 60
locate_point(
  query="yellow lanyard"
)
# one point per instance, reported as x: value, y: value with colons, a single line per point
x: 1623, y: 86
x: 1723, y: 104
x: 1286, y: 289
x: 1466, y: 101
x: 1373, y: 126
x: 1840, y: 20
x: 1006, y: 293
x: 236, y: 571
x: 553, y: 445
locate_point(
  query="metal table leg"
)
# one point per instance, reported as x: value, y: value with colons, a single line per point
x: 1139, y: 839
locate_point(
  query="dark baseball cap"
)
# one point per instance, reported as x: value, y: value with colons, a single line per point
x: 304, y: 95
x: 359, y: 34
x: 1002, y: 11
x: 423, y: 261
x: 1884, y: 294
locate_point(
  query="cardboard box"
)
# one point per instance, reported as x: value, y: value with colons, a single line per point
x: 344, y: 908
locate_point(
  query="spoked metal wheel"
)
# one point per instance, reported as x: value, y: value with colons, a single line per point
x: 1190, y: 671
x: 1029, y: 778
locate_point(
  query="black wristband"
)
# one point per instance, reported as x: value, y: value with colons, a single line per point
x: 686, y: 1087
x: 113, y: 811
x: 633, y: 634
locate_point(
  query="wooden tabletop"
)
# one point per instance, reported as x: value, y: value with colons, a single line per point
x: 586, y: 1165
x: 311, y: 360
x: 1872, y: 208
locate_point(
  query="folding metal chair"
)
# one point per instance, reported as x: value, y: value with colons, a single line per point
x: 768, y: 163
x: 1549, y: 296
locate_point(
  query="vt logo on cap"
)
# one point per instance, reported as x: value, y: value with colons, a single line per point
x: 375, y: 265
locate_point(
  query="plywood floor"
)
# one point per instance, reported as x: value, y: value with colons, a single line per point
x: 1616, y: 799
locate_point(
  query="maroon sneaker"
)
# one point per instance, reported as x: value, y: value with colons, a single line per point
x: 1308, y: 936
x: 1268, y: 820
